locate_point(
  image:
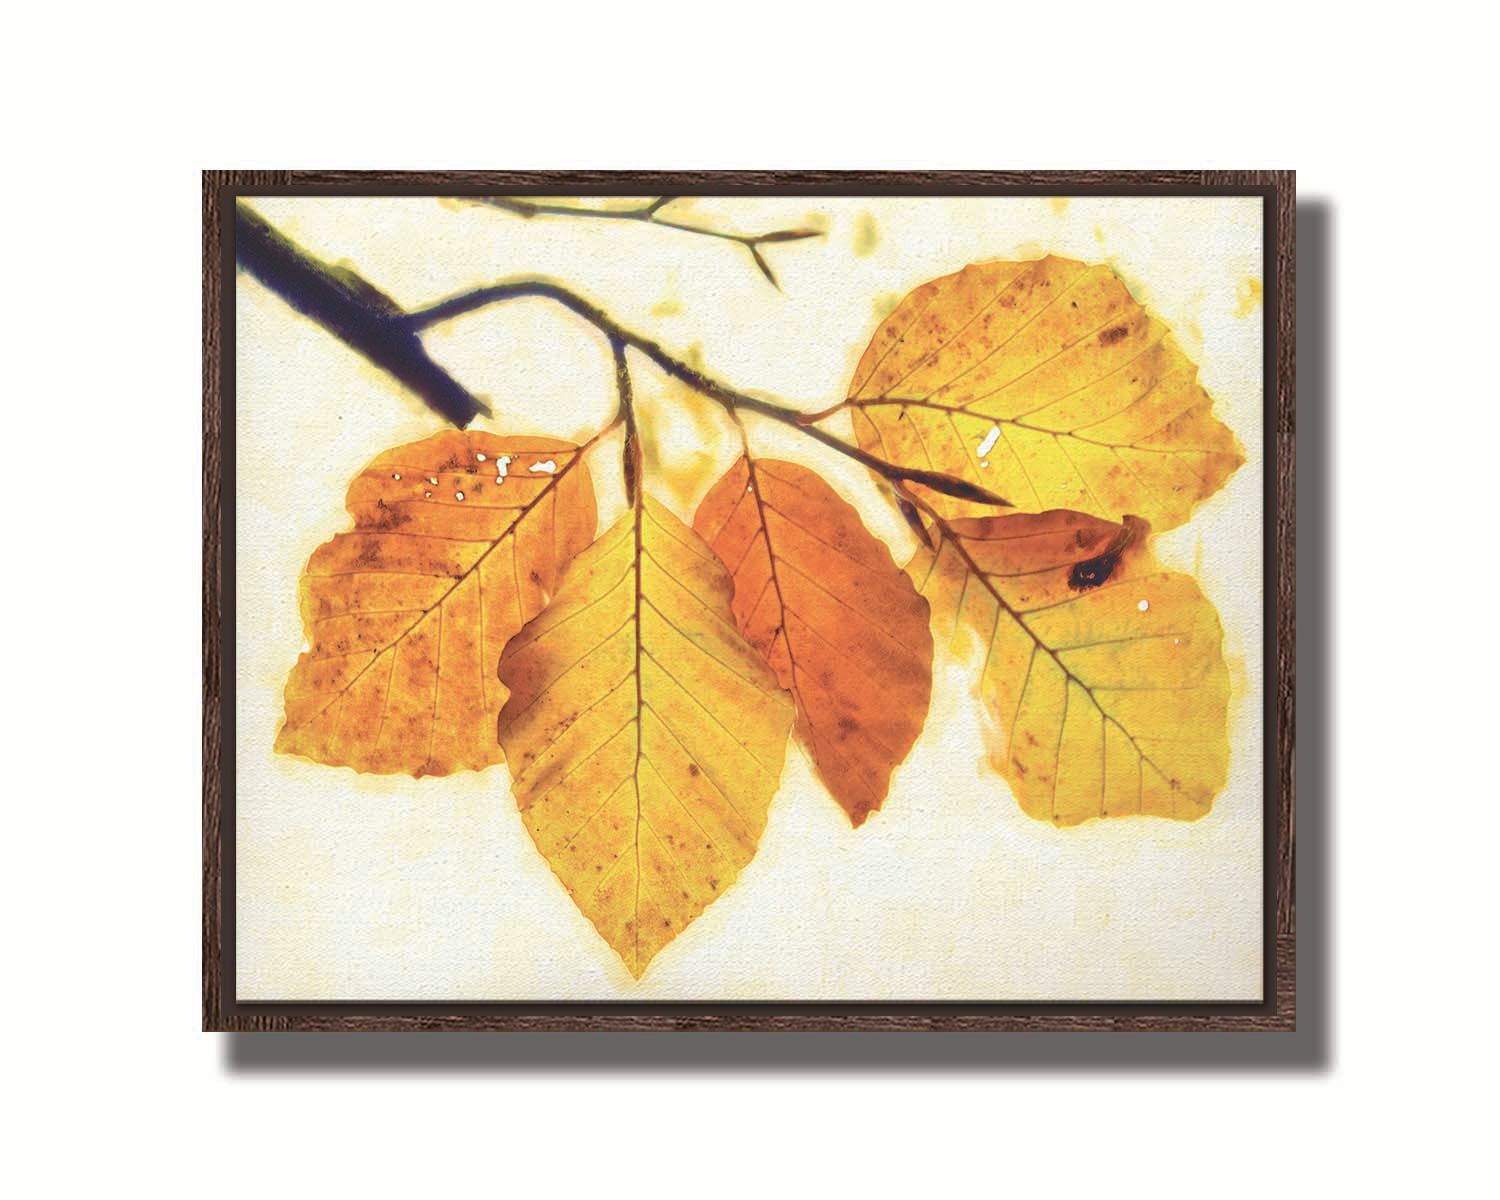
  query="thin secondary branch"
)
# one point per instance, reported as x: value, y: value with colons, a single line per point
x: 649, y: 213
x: 729, y: 397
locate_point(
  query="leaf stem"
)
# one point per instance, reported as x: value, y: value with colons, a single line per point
x: 633, y: 459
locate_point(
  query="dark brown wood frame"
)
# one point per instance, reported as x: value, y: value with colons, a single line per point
x: 221, y: 1012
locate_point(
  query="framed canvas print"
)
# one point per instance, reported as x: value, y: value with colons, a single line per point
x: 749, y: 601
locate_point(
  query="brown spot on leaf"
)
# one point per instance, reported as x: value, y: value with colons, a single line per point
x: 1092, y: 572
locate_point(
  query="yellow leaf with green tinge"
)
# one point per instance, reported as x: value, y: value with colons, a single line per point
x: 645, y: 736
x: 1104, y: 674
x: 1048, y: 383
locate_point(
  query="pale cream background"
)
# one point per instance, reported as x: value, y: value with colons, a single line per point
x: 363, y: 887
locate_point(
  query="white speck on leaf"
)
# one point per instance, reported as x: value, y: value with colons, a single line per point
x: 1144, y: 605
x: 546, y: 467
x: 990, y: 439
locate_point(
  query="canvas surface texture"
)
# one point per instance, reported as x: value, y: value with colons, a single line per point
x: 362, y: 885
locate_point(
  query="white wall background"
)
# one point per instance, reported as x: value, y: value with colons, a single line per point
x: 111, y: 115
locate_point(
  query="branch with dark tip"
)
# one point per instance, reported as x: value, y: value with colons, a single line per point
x: 647, y: 214
x: 370, y: 322
x: 729, y: 397
x: 353, y: 310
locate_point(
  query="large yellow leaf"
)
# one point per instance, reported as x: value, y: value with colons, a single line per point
x: 645, y: 735
x: 458, y: 540
x: 842, y: 626
x: 1105, y: 674
x: 1048, y: 383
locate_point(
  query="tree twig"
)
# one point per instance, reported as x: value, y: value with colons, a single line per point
x: 370, y: 322
x: 725, y: 395
x: 634, y: 460
x: 352, y: 309
x: 649, y: 214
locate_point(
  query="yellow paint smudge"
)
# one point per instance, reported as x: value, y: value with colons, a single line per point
x: 1059, y: 205
x: 1249, y: 295
x: 684, y: 431
x: 885, y: 304
x: 666, y: 308
x: 866, y: 235
x: 1239, y: 673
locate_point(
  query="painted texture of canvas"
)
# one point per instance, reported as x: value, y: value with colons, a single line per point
x: 824, y: 599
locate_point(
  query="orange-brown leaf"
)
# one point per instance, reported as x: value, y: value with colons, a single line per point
x: 1104, y: 673
x: 1048, y: 383
x: 645, y: 737
x: 457, y: 542
x: 821, y: 599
